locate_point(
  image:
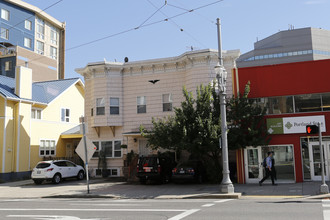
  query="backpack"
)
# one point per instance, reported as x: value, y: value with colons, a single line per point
x: 264, y: 163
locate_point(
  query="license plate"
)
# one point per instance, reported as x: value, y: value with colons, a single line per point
x: 147, y: 169
x: 181, y: 171
x: 38, y: 172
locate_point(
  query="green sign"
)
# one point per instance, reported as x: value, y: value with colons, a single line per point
x: 275, y: 125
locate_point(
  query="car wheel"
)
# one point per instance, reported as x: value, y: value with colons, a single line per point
x: 37, y: 182
x: 57, y: 178
x: 80, y: 175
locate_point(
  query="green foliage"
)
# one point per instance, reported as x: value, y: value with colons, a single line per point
x: 246, y: 122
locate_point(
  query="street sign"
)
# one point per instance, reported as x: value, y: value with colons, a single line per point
x: 312, y: 129
x: 80, y: 150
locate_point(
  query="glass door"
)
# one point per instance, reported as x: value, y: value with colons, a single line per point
x: 315, y: 162
x: 253, y: 164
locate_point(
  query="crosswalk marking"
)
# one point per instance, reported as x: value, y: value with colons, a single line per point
x: 326, y: 212
x: 208, y: 205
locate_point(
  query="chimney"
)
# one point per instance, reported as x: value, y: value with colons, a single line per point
x: 23, y: 78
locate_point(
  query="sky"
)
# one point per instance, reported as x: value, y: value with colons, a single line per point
x: 136, y: 28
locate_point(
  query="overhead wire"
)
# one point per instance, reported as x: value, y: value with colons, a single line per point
x: 138, y: 27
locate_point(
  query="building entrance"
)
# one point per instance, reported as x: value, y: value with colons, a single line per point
x: 315, y: 160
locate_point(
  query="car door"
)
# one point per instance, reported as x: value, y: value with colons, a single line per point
x: 71, y: 169
x: 62, y: 168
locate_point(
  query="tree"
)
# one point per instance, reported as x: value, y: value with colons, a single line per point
x: 246, y: 122
x: 195, y: 126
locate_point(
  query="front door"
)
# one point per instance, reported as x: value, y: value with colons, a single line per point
x: 253, y: 164
x: 315, y: 160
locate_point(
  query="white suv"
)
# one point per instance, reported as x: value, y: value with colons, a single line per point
x: 56, y: 170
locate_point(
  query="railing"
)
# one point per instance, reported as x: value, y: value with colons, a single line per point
x: 7, y: 51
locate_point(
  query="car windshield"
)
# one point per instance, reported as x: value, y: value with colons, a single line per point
x: 42, y: 165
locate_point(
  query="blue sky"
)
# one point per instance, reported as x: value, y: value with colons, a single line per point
x: 243, y: 22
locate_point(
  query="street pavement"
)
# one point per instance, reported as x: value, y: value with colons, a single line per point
x: 108, y: 188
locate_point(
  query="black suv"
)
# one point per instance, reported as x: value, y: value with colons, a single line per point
x: 155, y: 168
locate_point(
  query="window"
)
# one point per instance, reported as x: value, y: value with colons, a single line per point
x: 110, y: 149
x: 8, y: 65
x: 40, y: 29
x: 141, y: 104
x: 65, y: 115
x: 28, y: 25
x: 167, y: 102
x: 40, y: 47
x: 47, y: 148
x: 53, y: 52
x: 4, y: 33
x: 35, y: 113
x: 5, y: 14
x: 92, y: 112
x: 53, y: 35
x: 110, y: 172
x: 100, y: 106
x: 326, y: 102
x: 27, y: 42
x: 114, y: 106
x: 307, y: 103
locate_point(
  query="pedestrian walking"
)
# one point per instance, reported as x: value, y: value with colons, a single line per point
x: 268, y: 169
x: 273, y: 166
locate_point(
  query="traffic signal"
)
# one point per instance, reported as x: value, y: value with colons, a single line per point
x: 312, y: 129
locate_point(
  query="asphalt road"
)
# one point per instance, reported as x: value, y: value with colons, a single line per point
x: 157, y: 209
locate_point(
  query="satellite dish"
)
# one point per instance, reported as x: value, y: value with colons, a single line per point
x: 126, y: 59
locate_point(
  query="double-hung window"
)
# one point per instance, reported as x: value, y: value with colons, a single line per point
x: 114, y: 106
x: 141, y: 104
x: 40, y: 47
x: 47, y: 148
x: 108, y: 149
x: 8, y: 65
x: 65, y: 115
x: 40, y: 29
x: 100, y: 106
x: 167, y: 102
x: 4, y: 33
x: 5, y: 14
x: 35, y: 113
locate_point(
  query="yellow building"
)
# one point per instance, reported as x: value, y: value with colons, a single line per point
x: 37, y: 121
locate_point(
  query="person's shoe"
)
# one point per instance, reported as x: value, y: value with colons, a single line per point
x: 260, y: 183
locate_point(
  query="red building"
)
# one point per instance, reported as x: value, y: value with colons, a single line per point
x: 295, y: 95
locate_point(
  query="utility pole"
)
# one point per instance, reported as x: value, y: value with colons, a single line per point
x: 221, y: 74
x: 324, y: 187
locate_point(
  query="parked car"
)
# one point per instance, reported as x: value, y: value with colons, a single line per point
x: 155, y: 168
x: 192, y: 170
x: 56, y: 170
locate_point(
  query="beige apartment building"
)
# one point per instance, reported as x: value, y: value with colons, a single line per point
x: 119, y: 97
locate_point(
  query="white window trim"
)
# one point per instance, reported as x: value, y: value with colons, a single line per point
x: 28, y: 22
x: 114, y: 105
x: 113, y: 148
x: 53, y: 56
x: 45, y: 152
x: 30, y: 40
x: 137, y: 104
x: 103, y: 106
x: 42, y: 52
x: 2, y: 15
x: 65, y: 117
x: 36, y: 109
x: 170, y: 94
x: 6, y: 31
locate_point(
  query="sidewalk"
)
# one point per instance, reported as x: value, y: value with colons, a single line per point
x: 100, y: 188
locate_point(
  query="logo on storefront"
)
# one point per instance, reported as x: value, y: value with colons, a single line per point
x: 294, y: 125
x: 288, y: 125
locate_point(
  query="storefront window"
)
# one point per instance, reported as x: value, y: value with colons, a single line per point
x: 326, y: 102
x: 279, y: 105
x: 283, y: 158
x: 308, y: 103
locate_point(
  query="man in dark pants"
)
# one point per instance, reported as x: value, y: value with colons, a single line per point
x: 268, y: 169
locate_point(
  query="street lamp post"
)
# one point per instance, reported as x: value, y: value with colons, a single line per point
x: 221, y: 74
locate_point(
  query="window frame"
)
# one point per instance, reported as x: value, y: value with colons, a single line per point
x: 98, y: 144
x: 5, y: 14
x: 51, y: 54
x: 6, y: 33
x: 8, y: 67
x: 170, y: 101
x: 100, y: 107
x: 29, y: 41
x: 116, y: 106
x: 49, y: 148
x: 139, y: 106
x: 28, y: 25
x: 39, y: 51
x: 40, y: 26
x: 54, y: 33
x: 66, y: 118
x: 36, y: 113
